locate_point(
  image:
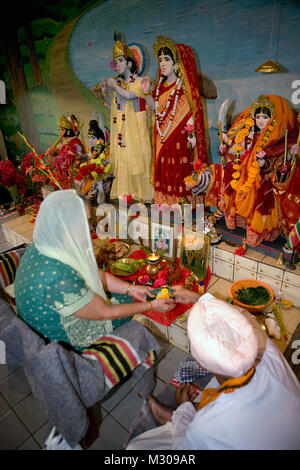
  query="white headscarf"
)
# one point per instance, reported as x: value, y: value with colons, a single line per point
x: 222, y: 340
x: 62, y: 232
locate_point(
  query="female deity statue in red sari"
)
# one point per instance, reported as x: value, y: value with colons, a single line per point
x: 179, y: 134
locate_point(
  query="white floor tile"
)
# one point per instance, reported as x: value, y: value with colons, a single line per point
x: 15, y: 388
x: 13, y: 433
x: 127, y: 410
x: 6, y: 370
x: 4, y: 406
x: 41, y: 435
x: 30, y: 444
x: 31, y: 414
x: 112, y: 436
x: 169, y: 364
x: 111, y: 400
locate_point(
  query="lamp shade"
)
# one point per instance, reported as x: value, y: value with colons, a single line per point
x: 269, y: 66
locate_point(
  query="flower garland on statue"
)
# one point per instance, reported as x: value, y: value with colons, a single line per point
x: 159, y: 116
x: 239, y: 138
x: 254, y: 170
x: 96, y: 170
x: 121, y: 83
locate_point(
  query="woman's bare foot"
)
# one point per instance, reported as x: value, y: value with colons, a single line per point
x: 162, y: 414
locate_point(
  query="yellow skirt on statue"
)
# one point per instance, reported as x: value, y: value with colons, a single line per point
x: 130, y: 153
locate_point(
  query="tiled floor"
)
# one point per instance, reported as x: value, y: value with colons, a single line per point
x: 24, y: 426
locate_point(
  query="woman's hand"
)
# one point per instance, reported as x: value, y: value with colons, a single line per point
x: 185, y: 296
x: 140, y: 293
x: 163, y: 305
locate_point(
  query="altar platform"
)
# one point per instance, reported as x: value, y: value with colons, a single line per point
x: 226, y: 267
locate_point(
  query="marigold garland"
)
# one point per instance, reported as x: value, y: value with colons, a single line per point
x: 254, y: 171
x: 239, y: 138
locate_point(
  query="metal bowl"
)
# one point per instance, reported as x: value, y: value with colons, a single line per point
x: 119, y: 272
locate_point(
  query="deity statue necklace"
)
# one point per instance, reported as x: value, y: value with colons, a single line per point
x: 160, y: 116
x: 125, y: 86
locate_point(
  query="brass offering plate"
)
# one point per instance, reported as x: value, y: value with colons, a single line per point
x: 119, y: 272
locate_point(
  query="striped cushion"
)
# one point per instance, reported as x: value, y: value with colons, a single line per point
x: 8, y: 266
x: 117, y: 357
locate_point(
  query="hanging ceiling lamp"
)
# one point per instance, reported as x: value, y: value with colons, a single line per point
x: 271, y: 66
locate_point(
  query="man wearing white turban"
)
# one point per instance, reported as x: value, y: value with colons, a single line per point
x: 255, y: 402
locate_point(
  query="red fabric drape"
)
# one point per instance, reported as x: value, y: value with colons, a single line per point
x: 179, y: 309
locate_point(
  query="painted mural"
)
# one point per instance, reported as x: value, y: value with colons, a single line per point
x: 229, y: 39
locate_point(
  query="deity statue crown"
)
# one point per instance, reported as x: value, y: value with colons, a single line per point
x: 64, y: 123
x: 262, y: 102
x: 161, y: 42
x: 121, y: 49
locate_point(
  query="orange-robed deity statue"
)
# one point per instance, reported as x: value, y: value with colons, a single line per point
x: 256, y: 187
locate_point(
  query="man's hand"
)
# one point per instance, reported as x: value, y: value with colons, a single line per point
x: 163, y: 305
x: 185, y: 296
x: 186, y: 392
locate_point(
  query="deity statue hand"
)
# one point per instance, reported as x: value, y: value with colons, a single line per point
x: 294, y: 149
x: 111, y: 82
x: 104, y: 87
x: 260, y: 158
x: 260, y: 154
x: 222, y: 149
x: 192, y: 141
x: 146, y: 85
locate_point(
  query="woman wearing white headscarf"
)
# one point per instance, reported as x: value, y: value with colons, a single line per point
x: 253, y: 401
x: 59, y: 290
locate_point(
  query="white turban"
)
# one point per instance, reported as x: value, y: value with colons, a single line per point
x: 222, y: 340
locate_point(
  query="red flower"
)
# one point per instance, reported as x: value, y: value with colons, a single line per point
x: 26, y: 163
x: 198, y: 165
x: 240, y: 251
x: 41, y: 165
x: 8, y: 173
x: 99, y: 170
x: 127, y: 198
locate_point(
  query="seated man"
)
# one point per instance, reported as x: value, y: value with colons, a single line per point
x: 256, y: 402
